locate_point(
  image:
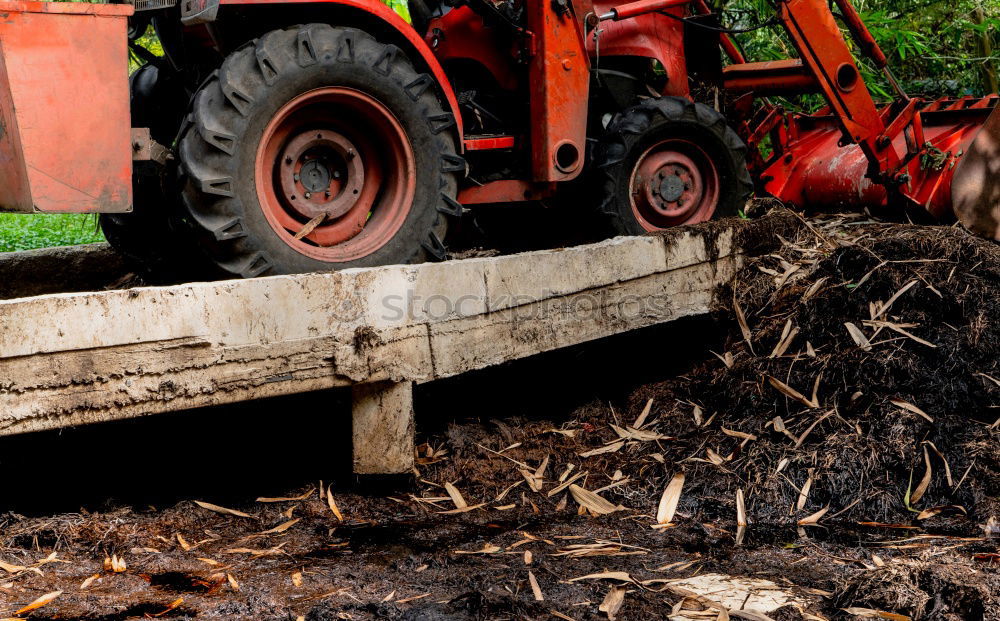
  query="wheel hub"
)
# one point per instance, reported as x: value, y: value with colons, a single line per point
x: 672, y: 188
x: 321, y: 174
x: 335, y: 174
x: 674, y: 182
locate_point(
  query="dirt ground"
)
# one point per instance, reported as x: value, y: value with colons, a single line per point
x: 832, y: 453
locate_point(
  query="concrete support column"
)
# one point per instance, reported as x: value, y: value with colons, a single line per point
x: 383, y: 427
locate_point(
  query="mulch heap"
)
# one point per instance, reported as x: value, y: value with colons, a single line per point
x: 859, y: 383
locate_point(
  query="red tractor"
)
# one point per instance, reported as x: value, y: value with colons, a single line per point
x: 292, y: 136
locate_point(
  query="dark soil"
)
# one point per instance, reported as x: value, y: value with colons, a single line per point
x: 395, y: 554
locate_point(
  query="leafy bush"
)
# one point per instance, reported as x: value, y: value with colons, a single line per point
x: 29, y: 231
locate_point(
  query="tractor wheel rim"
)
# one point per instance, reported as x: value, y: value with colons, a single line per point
x: 674, y: 182
x: 335, y: 174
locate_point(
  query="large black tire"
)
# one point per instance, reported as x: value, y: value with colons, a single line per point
x: 232, y: 110
x: 634, y: 130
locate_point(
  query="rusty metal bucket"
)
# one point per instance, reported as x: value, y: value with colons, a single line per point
x: 65, y: 141
x: 975, y: 189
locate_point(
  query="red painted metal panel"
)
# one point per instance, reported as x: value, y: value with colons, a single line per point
x: 559, y: 77
x: 486, y: 143
x: 64, y: 105
x: 652, y: 35
x: 505, y: 191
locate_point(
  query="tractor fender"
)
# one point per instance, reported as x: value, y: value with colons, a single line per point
x: 195, y: 12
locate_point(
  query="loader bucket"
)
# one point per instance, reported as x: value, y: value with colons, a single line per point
x: 975, y: 188
x: 65, y: 131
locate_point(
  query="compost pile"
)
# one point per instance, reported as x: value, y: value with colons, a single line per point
x: 835, y: 455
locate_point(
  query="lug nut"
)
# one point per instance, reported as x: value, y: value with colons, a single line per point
x: 296, y: 176
x: 309, y: 195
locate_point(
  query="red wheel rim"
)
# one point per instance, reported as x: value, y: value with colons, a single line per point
x: 674, y: 182
x: 335, y: 174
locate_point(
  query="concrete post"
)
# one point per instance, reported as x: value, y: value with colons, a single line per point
x: 383, y: 427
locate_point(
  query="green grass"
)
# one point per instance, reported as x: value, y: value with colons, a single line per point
x: 29, y: 231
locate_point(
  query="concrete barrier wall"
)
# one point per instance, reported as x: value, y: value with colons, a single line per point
x: 75, y: 358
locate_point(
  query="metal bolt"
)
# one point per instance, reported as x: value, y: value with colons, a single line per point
x: 309, y: 195
x: 296, y: 176
x: 350, y: 154
x: 328, y: 193
x: 336, y: 174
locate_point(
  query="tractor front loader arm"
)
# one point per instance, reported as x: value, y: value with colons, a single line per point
x: 855, y: 153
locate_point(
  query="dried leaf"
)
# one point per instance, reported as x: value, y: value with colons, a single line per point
x: 858, y: 336
x: 280, y: 528
x: 875, y: 614
x: 38, y: 603
x: 218, y: 509
x: 297, y: 578
x: 909, y: 407
x: 668, y: 501
x: 804, y: 492
x: 310, y: 226
x: 605, y: 575
x: 641, y: 420
x: 738, y: 434
x: 788, y: 334
x: 456, y: 496
x: 814, y: 518
x: 727, y: 359
x: 607, y: 448
x: 883, y: 308
x: 291, y: 499
x: 924, y: 482
x: 330, y: 502
x: 790, y: 392
x: 535, y: 589
x: 931, y: 512
x: 89, y: 581
x: 115, y: 564
x: 741, y: 319
x: 232, y: 582
x: 592, y: 501
x: 741, y: 509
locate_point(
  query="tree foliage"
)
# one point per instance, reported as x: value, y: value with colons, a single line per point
x: 935, y: 47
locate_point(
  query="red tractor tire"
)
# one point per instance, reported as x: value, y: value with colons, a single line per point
x: 315, y: 148
x: 668, y: 162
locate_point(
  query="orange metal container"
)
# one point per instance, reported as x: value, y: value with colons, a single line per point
x: 65, y: 130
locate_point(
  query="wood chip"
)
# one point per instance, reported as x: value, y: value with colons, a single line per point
x: 223, y: 510
x: 613, y: 602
